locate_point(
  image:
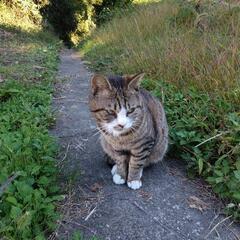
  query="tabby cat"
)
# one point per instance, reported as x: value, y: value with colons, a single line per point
x: 133, y: 126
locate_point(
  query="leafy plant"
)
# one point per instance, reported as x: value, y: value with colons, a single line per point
x: 205, y: 132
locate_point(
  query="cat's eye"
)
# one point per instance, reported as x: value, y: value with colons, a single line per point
x: 131, y: 110
x: 111, y: 112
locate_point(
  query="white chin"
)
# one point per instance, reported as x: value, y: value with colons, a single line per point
x: 116, y: 133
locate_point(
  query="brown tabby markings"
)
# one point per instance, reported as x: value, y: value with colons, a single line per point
x: 130, y: 148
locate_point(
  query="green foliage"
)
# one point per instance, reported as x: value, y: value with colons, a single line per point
x: 78, y: 236
x: 27, y: 205
x: 205, y: 132
x: 29, y: 8
x: 28, y: 192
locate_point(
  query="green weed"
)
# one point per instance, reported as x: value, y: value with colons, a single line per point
x: 78, y: 236
x: 205, y: 132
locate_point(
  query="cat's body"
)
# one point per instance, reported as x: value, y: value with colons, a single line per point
x: 133, y: 126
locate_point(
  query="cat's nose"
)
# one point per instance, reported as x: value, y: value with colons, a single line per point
x: 120, y: 126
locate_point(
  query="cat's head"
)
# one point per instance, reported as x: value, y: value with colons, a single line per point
x: 116, y: 103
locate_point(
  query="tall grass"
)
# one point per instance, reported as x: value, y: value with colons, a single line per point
x: 175, y: 42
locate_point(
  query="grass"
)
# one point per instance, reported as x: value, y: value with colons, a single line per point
x: 167, y: 43
x: 78, y: 236
x: 191, y: 57
x: 28, y: 65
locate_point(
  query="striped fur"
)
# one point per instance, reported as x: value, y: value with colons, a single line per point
x: 142, y: 136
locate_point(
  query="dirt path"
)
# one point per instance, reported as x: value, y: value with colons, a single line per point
x: 95, y: 206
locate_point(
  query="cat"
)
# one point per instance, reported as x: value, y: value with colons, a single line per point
x: 133, y: 125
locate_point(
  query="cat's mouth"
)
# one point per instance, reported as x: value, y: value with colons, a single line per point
x: 117, y: 133
x: 117, y: 129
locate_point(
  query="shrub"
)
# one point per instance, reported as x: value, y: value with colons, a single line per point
x: 29, y: 8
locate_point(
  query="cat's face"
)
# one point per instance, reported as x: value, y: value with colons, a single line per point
x: 116, y: 103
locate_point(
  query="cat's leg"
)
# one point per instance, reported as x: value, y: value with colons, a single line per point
x: 135, y: 172
x: 119, y: 170
x: 138, y: 159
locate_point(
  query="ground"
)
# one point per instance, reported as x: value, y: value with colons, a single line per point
x: 169, y: 206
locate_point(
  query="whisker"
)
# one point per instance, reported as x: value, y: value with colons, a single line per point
x: 99, y: 129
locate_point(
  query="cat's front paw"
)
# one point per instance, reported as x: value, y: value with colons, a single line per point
x: 117, y: 179
x: 136, y: 184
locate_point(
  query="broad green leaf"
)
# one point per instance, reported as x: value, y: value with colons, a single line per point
x: 218, y: 172
x: 15, y: 212
x: 12, y: 200
x: 237, y: 196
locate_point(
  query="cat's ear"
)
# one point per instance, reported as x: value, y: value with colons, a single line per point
x: 133, y: 81
x: 100, y: 84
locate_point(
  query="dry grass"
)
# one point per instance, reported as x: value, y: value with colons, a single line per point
x: 173, y: 43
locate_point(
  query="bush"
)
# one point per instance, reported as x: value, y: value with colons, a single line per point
x: 28, y: 8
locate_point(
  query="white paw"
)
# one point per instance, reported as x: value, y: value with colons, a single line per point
x: 136, y: 184
x: 114, y: 169
x: 117, y: 179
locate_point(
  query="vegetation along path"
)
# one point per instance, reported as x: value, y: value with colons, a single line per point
x: 168, y: 206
